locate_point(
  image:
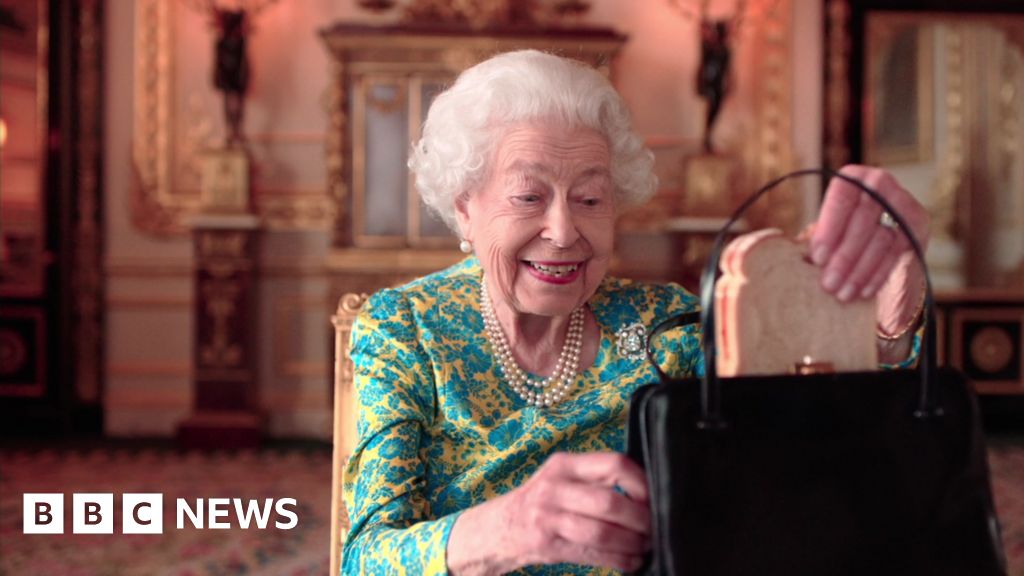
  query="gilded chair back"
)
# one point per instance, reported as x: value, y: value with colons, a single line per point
x: 344, y: 418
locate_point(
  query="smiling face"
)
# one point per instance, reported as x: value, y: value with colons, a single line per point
x: 542, y: 223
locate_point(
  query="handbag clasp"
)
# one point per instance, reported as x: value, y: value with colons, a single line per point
x: 809, y: 366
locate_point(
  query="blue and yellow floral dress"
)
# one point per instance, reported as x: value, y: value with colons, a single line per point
x: 440, y: 431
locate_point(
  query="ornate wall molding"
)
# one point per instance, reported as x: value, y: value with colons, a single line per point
x: 336, y: 149
x: 164, y: 192
x: 156, y: 204
x: 770, y: 152
x: 948, y: 221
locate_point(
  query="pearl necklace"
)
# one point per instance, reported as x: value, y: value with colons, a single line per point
x: 546, y: 391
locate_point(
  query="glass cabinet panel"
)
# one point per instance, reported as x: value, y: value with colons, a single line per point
x: 388, y: 112
x: 383, y: 194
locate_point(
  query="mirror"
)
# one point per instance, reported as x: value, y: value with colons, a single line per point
x: 23, y: 116
x: 937, y: 98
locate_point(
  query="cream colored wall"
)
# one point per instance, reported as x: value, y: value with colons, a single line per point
x: 148, y: 290
x: 149, y: 284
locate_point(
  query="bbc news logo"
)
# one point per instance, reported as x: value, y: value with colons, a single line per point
x: 93, y: 513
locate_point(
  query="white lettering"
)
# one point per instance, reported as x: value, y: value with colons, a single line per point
x: 196, y: 517
x: 218, y: 509
x: 142, y: 513
x: 282, y: 511
x: 92, y: 514
x: 262, y: 515
x: 42, y: 513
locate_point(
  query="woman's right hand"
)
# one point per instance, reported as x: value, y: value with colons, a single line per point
x: 587, y: 509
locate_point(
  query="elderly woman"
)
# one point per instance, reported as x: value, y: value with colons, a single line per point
x: 493, y: 394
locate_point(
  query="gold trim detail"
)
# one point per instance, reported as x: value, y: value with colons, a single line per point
x: 1008, y: 95
x: 156, y: 207
x: 223, y: 262
x: 1011, y: 99
x: 219, y: 294
x: 348, y: 307
x: 771, y: 150
x: 952, y: 184
x: 336, y: 149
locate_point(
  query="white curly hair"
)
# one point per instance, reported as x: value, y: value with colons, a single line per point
x: 465, y: 122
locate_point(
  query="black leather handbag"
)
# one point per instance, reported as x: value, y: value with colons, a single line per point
x: 827, y: 474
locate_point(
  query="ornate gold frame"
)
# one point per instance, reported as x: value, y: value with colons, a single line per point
x: 157, y: 204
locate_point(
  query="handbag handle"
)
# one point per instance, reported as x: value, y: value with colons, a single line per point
x: 710, y: 389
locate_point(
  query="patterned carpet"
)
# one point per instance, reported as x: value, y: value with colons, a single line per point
x: 301, y: 474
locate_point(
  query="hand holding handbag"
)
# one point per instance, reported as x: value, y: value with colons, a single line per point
x: 842, y: 473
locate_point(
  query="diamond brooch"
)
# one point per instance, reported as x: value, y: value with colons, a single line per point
x: 630, y: 341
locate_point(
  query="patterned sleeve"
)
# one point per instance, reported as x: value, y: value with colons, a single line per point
x: 392, y: 530
x: 678, y: 351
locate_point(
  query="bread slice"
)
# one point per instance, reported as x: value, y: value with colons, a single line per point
x: 771, y: 313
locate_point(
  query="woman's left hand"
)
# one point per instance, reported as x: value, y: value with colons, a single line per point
x: 862, y: 256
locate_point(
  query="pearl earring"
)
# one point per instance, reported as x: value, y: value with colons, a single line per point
x: 466, y: 246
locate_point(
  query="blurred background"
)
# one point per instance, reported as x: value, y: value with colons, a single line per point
x: 189, y: 187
